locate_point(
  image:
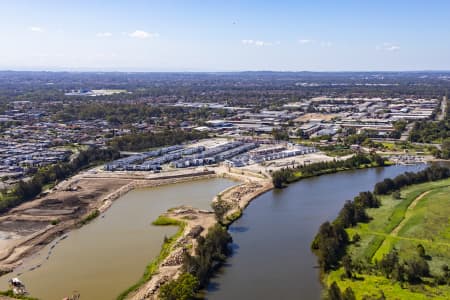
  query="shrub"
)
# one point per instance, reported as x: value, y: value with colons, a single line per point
x: 183, y: 288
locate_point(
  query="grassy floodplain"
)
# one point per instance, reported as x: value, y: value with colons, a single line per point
x: 419, y: 217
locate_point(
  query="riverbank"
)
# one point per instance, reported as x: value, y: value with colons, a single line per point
x: 354, y: 162
x: 401, y: 251
x: 196, y: 222
x: 28, y: 228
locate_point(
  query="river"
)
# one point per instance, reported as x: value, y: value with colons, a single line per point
x: 271, y: 257
x: 105, y: 257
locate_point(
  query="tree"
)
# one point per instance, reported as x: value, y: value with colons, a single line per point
x: 348, y: 294
x: 445, y: 149
x: 280, y: 134
x: 183, y: 288
x: 221, y: 208
x: 421, y: 251
x: 416, y: 268
x: 347, y: 264
x: 299, y: 133
x: 388, y: 263
x: 396, y: 195
x: 334, y: 293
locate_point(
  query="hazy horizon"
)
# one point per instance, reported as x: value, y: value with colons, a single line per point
x: 210, y: 36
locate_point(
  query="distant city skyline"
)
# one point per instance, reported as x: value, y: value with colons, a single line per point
x: 216, y: 36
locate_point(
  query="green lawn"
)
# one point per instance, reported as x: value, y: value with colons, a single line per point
x: 399, y: 224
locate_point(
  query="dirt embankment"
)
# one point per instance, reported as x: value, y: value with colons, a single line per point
x: 29, y: 227
x: 197, y: 223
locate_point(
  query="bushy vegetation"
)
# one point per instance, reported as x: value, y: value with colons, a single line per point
x: 288, y: 175
x: 166, y: 221
x: 183, y: 288
x: 90, y: 217
x: 331, y: 241
x: 25, y: 191
x: 430, y: 132
x: 211, y: 251
x: 147, y: 140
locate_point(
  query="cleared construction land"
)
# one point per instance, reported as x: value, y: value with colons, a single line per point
x: 30, y: 226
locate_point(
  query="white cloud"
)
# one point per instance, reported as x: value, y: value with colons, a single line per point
x: 388, y: 47
x: 257, y: 43
x: 140, y: 34
x: 326, y: 44
x: 305, y: 41
x: 104, y: 34
x: 36, y: 29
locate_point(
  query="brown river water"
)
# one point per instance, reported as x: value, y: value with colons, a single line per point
x: 106, y: 256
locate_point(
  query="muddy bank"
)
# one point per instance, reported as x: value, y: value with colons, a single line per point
x: 29, y: 227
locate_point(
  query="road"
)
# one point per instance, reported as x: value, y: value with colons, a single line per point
x: 442, y: 113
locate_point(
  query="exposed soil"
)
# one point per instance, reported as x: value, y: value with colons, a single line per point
x: 198, y: 222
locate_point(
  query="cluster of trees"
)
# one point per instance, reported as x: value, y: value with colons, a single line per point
x: 335, y: 293
x: 357, y: 138
x: 287, y: 175
x: 24, y: 191
x: 434, y: 132
x: 354, y: 211
x: 147, y: 140
x: 330, y: 244
x: 211, y: 251
x: 399, y: 127
x: 430, y: 132
x: 431, y: 173
x: 410, y: 270
x: 331, y: 241
x: 280, y: 134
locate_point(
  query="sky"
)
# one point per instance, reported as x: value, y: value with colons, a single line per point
x: 225, y: 35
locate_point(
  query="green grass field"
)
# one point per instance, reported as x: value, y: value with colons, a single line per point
x: 421, y: 216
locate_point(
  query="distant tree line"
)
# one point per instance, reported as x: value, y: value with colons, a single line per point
x: 27, y: 190
x: 117, y: 113
x: 432, y: 173
x: 147, y: 140
x: 287, y: 175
